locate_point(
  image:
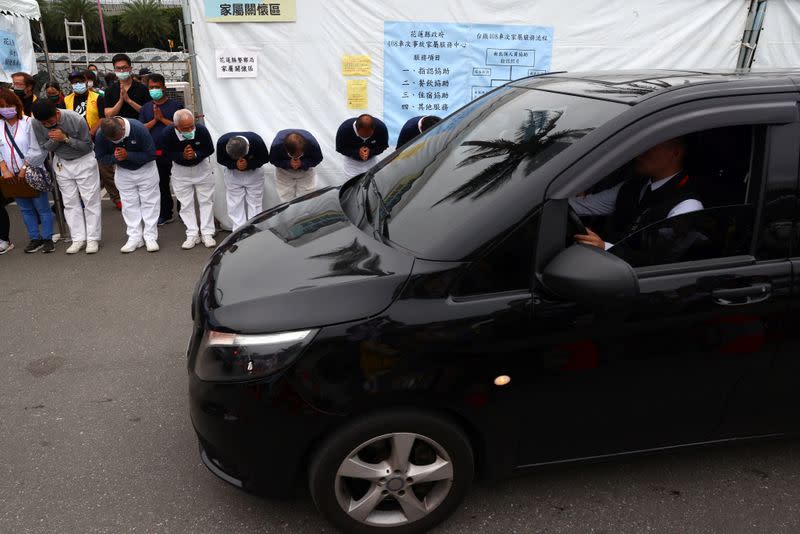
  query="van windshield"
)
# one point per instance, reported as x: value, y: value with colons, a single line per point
x: 437, y: 184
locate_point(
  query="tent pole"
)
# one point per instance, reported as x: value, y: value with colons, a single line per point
x: 194, y: 78
x: 46, y: 52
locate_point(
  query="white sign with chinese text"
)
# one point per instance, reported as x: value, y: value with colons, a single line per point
x: 237, y: 62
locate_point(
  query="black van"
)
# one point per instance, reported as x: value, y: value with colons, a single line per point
x: 433, y: 320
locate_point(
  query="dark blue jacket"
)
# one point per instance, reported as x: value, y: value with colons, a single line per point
x: 173, y: 147
x: 409, y: 131
x: 139, y: 145
x: 280, y: 158
x: 256, y: 157
x: 349, y: 143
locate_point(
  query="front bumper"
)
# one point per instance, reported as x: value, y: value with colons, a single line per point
x: 258, y: 435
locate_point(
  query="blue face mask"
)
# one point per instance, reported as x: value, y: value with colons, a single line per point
x: 188, y: 135
x: 79, y: 88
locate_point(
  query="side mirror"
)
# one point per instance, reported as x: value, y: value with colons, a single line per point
x: 590, y: 276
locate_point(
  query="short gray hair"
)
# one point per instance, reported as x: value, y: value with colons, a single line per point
x: 237, y: 147
x: 112, y: 128
x: 183, y: 114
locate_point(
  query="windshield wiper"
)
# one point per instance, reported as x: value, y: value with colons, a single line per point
x: 382, y: 222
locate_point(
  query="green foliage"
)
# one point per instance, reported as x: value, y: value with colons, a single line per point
x: 146, y: 21
x: 54, y: 13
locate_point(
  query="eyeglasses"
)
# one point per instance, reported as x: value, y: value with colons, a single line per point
x: 124, y: 68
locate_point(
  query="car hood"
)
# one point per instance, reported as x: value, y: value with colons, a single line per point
x: 299, y: 265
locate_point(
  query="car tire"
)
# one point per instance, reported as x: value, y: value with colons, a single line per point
x: 439, y: 454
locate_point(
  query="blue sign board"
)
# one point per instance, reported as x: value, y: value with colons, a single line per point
x: 10, y: 59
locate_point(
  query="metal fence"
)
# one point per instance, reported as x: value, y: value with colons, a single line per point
x: 174, y: 66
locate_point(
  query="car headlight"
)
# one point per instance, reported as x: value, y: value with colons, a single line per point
x: 224, y: 356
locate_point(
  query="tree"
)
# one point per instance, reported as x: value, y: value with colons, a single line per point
x: 146, y: 21
x: 54, y: 13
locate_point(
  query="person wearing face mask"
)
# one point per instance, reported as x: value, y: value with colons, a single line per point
x: 126, y: 97
x: 156, y: 115
x: 242, y: 154
x: 90, y: 106
x: 66, y: 135
x: 54, y: 94
x: 189, y: 146
x: 23, y: 83
x: 16, y: 144
x: 295, y: 153
x: 127, y: 144
x: 94, y: 85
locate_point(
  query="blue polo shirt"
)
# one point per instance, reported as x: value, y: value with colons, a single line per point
x: 168, y: 109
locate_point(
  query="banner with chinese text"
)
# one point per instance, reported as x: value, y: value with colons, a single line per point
x: 435, y: 68
x: 252, y: 11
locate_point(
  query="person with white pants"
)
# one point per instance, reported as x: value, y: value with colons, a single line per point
x: 126, y: 144
x: 359, y: 140
x: 189, y: 146
x: 242, y: 154
x: 66, y: 134
x: 295, y: 153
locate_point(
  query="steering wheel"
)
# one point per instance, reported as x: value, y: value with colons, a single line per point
x: 574, y: 225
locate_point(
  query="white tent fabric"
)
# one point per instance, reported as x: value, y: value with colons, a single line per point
x: 300, y: 82
x: 18, y: 29
x: 779, y: 43
x: 21, y: 8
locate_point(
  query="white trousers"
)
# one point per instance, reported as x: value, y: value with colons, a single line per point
x: 244, y: 191
x: 354, y: 167
x: 141, y: 200
x: 186, y: 181
x: 293, y: 184
x: 79, y: 179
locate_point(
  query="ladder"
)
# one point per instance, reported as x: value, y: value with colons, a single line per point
x: 76, y: 37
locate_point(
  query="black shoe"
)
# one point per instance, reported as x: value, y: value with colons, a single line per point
x: 48, y: 246
x: 34, y: 246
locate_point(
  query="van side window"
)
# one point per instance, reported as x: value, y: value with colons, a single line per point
x: 725, y: 167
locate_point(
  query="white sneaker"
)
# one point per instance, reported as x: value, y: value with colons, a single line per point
x: 92, y: 247
x: 152, y: 245
x: 76, y: 247
x: 56, y: 238
x: 5, y: 246
x: 190, y: 242
x: 209, y: 242
x: 131, y: 245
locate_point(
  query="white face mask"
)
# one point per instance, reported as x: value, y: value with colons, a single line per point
x: 90, y: 84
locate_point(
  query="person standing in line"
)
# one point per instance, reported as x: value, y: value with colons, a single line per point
x: 126, y: 97
x: 91, y: 106
x: 127, y: 144
x: 66, y: 135
x: 295, y: 153
x: 189, y: 146
x: 242, y: 154
x: 23, y: 83
x: 17, y: 144
x: 415, y: 126
x: 360, y: 139
x: 156, y: 115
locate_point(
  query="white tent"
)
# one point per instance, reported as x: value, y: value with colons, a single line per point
x: 779, y: 43
x: 16, y: 44
x: 300, y: 81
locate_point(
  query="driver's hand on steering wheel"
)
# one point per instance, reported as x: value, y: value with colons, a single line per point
x: 590, y: 238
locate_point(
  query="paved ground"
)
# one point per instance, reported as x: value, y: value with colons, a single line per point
x: 95, y: 433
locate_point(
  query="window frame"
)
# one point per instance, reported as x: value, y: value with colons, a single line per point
x: 767, y: 110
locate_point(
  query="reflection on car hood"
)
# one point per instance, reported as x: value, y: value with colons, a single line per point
x: 300, y: 265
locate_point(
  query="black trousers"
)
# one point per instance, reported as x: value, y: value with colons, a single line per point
x: 164, y: 174
x: 5, y: 223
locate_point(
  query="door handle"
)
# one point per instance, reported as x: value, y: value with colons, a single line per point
x: 742, y: 295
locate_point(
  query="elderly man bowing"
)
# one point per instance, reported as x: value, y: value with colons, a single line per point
x: 189, y: 145
x: 127, y: 144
